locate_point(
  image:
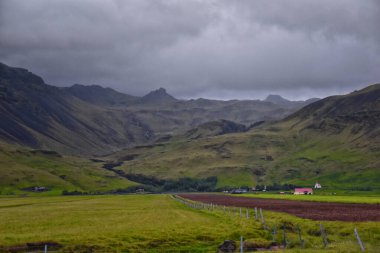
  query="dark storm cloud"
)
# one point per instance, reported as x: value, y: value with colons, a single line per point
x: 220, y: 49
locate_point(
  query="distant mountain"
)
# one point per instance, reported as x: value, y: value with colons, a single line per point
x: 335, y: 141
x: 168, y: 115
x: 94, y: 120
x: 159, y: 96
x: 38, y: 115
x: 278, y: 100
x: 96, y: 94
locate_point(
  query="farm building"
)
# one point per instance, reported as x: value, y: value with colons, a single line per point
x: 305, y: 191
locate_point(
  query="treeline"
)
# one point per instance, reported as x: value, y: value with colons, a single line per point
x: 155, y: 185
x: 181, y: 184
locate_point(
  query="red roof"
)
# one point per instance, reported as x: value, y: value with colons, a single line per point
x: 303, y: 190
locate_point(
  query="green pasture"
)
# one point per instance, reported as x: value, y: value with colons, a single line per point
x: 158, y: 223
x: 130, y: 223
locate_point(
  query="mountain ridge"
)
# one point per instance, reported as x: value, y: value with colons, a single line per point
x: 341, y: 151
x: 94, y: 120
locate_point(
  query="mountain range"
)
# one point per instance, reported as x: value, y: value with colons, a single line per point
x: 95, y: 139
x: 92, y: 120
x: 334, y: 141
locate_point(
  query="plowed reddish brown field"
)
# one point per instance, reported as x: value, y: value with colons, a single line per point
x: 304, y: 209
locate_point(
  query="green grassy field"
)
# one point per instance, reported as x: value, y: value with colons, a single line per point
x: 158, y: 223
x: 321, y: 198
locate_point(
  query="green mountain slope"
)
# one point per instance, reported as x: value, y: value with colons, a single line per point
x: 334, y: 141
x: 23, y: 169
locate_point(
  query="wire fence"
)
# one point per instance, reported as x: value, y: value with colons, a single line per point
x: 282, y: 235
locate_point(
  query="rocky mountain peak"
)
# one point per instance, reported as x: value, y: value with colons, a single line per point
x: 276, y: 99
x: 18, y: 76
x: 160, y: 95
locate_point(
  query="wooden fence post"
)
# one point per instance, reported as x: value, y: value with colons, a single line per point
x: 46, y: 249
x: 256, y: 215
x: 302, y: 242
x: 285, y: 240
x: 262, y: 217
x: 359, y: 240
x: 246, y: 213
x: 324, y: 236
x: 241, y: 245
x: 240, y: 213
x: 274, y: 233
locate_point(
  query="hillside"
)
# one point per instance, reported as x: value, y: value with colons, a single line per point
x: 22, y: 170
x: 92, y: 120
x: 38, y: 115
x: 215, y: 128
x: 278, y: 100
x: 357, y: 112
x: 98, y: 95
x: 341, y: 153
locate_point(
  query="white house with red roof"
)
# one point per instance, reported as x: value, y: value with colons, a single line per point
x: 303, y: 191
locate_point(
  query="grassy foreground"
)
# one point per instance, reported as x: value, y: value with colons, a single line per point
x: 158, y: 223
x: 113, y: 224
x: 319, y: 198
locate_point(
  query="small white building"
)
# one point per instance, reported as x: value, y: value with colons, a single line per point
x: 317, y: 186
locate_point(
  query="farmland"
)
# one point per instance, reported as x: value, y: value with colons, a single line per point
x: 363, y: 199
x: 115, y: 224
x: 304, y: 209
x: 158, y: 223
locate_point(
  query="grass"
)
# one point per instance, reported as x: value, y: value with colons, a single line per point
x: 21, y: 168
x: 338, y: 161
x: 157, y: 223
x: 319, y: 198
x: 113, y: 223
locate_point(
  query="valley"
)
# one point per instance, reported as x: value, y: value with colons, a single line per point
x: 89, y: 139
x: 334, y: 141
x: 109, y: 154
x: 167, y: 126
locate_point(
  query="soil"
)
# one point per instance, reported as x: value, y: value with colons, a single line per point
x: 305, y: 209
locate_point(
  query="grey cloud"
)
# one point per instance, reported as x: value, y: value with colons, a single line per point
x: 333, y: 19
x: 215, y: 48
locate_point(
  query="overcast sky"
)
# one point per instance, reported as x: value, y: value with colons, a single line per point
x: 197, y: 48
